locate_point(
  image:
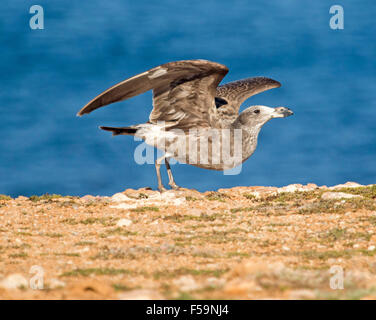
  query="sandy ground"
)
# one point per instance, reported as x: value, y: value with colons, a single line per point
x: 296, y: 242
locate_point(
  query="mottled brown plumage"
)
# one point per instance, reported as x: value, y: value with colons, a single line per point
x: 175, y: 85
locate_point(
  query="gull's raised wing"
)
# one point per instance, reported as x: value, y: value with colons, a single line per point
x: 233, y: 94
x: 183, y: 92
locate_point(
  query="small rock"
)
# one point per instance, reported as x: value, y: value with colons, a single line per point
x: 119, y: 197
x: 142, y: 193
x: 22, y: 198
x: 88, y: 198
x: 371, y: 248
x: 179, y: 201
x: 186, y: 283
x: 169, y: 195
x: 140, y: 294
x: 14, y: 281
x: 338, y: 195
x: 124, y: 223
x: 297, y: 187
x: 347, y: 185
x: 215, y: 282
x: 355, y: 246
x: 262, y: 191
x: 285, y: 248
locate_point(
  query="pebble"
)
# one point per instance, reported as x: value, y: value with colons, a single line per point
x: 124, y: 223
x: 297, y: 187
x: 140, y: 294
x: 348, y: 184
x: 154, y: 200
x: 88, y: 199
x: 338, y: 195
x: 119, y: 197
x: 14, y: 281
x: 186, y: 283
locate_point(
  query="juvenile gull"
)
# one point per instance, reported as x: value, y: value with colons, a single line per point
x: 188, y: 108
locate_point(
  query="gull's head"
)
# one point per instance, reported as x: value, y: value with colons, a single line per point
x: 259, y: 115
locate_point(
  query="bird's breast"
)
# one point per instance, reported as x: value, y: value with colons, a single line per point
x: 209, y: 148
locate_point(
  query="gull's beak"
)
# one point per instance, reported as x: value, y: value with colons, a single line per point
x: 282, y: 112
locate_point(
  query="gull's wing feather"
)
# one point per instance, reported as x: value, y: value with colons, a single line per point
x: 120, y: 91
x: 233, y: 94
x: 183, y: 92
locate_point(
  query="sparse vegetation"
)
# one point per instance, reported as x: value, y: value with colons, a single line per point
x: 367, y: 192
x: 190, y: 198
x: 68, y: 254
x: 118, y: 232
x: 217, y: 196
x: 18, y: 255
x: 107, y: 221
x: 95, y: 271
x: 23, y: 233
x: 187, y: 271
x: 53, y: 235
x: 145, y: 209
x: 45, y: 197
x: 249, y: 196
x: 217, y: 245
x: 121, y: 287
x: 180, y: 218
x: 84, y: 243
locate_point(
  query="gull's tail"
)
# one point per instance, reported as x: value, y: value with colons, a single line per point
x: 123, y: 130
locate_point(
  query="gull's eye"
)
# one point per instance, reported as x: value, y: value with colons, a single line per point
x: 257, y: 111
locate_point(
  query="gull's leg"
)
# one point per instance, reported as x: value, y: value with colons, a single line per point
x: 158, y: 162
x: 171, y: 181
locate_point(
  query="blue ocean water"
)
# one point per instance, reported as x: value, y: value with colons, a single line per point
x: 328, y: 78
